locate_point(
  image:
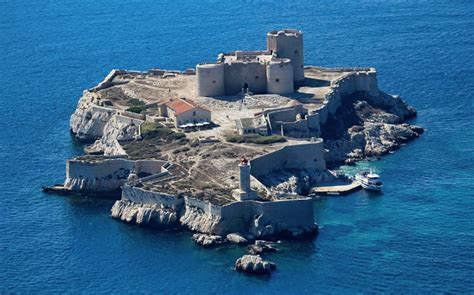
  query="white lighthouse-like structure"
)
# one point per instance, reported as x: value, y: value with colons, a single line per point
x: 245, y: 192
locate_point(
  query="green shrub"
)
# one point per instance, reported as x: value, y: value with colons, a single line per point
x: 135, y: 102
x: 255, y: 138
x: 136, y: 109
x: 153, y: 130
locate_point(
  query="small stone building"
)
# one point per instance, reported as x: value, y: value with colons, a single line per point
x: 183, y: 111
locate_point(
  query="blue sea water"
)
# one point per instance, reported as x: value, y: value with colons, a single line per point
x: 417, y: 237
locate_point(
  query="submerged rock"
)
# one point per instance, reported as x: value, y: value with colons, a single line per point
x: 261, y: 247
x: 254, y: 264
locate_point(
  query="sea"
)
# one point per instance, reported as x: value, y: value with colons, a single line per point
x: 416, y: 237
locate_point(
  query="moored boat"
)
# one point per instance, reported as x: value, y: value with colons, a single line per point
x: 369, y: 180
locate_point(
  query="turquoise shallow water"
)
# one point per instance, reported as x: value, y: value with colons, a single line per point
x: 417, y: 237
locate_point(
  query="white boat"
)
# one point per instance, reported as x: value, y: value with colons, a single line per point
x: 369, y: 180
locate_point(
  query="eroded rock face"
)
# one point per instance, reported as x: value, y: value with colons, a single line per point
x: 197, y: 220
x: 368, y: 125
x: 88, y: 121
x: 146, y: 215
x: 254, y: 264
x: 116, y: 130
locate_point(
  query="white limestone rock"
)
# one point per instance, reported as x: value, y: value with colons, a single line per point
x: 392, y: 104
x: 381, y: 138
x: 207, y: 240
x: 254, y: 264
x: 237, y: 238
x: 197, y: 220
x: 116, y: 130
x: 146, y: 215
x: 88, y: 121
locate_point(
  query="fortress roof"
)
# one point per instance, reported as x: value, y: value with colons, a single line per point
x: 182, y: 105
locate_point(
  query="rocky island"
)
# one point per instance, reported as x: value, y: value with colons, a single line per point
x: 231, y: 150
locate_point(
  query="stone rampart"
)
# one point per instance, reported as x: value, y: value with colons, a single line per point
x: 141, y: 196
x: 358, y: 79
x: 306, y: 156
x: 257, y: 218
x: 107, y: 174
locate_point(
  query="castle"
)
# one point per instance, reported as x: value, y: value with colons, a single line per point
x: 275, y: 70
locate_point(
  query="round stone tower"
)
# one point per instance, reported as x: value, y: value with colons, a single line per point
x: 210, y: 79
x: 280, y: 76
x: 288, y: 44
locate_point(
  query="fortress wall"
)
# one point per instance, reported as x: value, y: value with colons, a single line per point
x: 106, y: 174
x: 313, y: 122
x: 280, y: 77
x: 140, y: 196
x: 359, y: 80
x: 245, y: 217
x: 108, y: 80
x: 133, y: 115
x: 308, y: 156
x: 295, y: 129
x: 239, y: 73
x: 205, y: 206
x: 210, y: 79
x: 149, y: 166
x: 281, y: 215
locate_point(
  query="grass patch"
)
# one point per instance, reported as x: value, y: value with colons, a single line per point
x: 153, y: 130
x: 255, y: 138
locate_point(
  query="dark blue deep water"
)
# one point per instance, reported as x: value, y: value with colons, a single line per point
x: 418, y: 237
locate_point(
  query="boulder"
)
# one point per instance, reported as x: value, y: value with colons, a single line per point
x: 261, y: 247
x: 237, y: 238
x: 254, y: 264
x: 206, y: 240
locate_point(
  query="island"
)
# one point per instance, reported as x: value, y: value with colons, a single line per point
x: 232, y: 150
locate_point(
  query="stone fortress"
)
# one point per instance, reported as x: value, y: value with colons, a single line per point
x: 275, y: 70
x: 169, y: 177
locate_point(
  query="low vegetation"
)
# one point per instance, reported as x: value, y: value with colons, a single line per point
x: 136, y: 106
x: 154, y: 130
x: 255, y: 138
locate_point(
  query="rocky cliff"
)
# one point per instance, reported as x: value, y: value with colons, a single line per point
x: 367, y: 125
x: 118, y: 129
x: 88, y: 120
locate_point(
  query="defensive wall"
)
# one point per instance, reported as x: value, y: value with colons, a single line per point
x: 305, y: 156
x: 238, y: 216
x: 355, y: 80
x: 105, y: 173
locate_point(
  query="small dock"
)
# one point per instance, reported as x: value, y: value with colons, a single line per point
x: 337, y: 190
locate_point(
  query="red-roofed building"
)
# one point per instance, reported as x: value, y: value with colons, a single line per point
x: 183, y: 111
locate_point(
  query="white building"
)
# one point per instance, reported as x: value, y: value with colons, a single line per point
x: 183, y: 111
